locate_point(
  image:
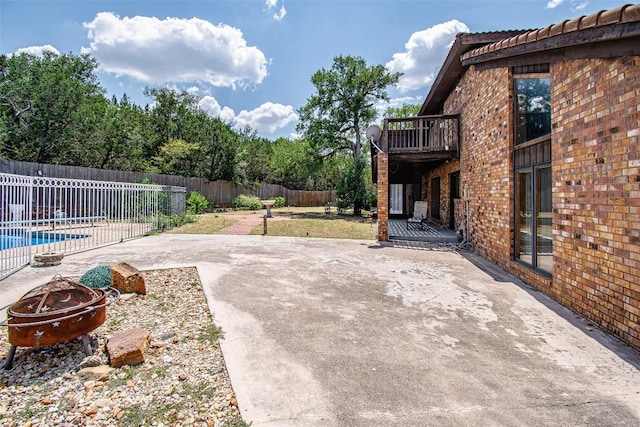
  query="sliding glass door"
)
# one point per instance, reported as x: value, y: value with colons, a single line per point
x: 534, y: 215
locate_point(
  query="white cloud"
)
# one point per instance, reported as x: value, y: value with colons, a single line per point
x: 399, y: 102
x: 280, y: 14
x: 573, y: 4
x: 174, y: 50
x: 211, y: 106
x: 554, y: 3
x: 193, y: 90
x: 295, y: 135
x: 268, y: 117
x: 381, y: 106
x: 37, y: 50
x: 425, y: 52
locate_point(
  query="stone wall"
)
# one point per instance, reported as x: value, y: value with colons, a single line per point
x: 596, y: 194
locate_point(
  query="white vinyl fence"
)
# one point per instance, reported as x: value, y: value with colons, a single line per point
x: 56, y: 215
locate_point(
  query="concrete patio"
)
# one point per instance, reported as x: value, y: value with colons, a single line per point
x: 351, y: 333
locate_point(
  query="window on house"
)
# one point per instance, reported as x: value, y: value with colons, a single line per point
x: 532, y: 99
x: 534, y: 235
x: 533, y: 241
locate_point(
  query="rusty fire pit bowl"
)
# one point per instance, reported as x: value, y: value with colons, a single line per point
x: 56, y: 312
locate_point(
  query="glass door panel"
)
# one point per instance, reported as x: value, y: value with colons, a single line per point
x: 544, y: 220
x: 395, y: 199
x: 524, y: 225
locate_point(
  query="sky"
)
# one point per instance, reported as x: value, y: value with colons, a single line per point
x: 251, y: 61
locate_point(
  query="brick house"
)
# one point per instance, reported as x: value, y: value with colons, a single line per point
x: 529, y: 142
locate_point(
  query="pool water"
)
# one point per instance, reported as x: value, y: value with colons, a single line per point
x: 18, y: 238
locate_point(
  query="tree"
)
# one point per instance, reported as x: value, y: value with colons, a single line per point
x: 178, y: 158
x: 219, y: 144
x: 168, y: 116
x: 111, y: 135
x: 41, y: 100
x: 207, y: 146
x: 335, y: 118
x: 407, y: 110
x: 254, y: 157
x: 352, y: 189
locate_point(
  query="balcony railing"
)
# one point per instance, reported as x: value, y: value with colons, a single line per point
x: 421, y: 134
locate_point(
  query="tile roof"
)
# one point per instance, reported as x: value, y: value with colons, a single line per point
x: 628, y: 13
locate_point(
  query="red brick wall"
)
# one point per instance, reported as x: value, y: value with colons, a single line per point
x: 596, y: 194
x: 483, y: 100
x: 596, y: 179
x: 442, y: 172
x: 383, y: 197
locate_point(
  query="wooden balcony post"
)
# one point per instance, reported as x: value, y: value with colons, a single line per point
x: 420, y: 130
x: 385, y: 136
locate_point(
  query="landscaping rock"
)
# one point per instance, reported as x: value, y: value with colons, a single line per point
x: 91, y: 361
x: 126, y: 279
x: 128, y: 347
x: 95, y: 373
x: 59, y: 396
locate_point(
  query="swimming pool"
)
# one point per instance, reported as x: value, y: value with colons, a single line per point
x: 16, y: 238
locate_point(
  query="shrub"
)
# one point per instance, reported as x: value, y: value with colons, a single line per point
x: 97, y: 278
x: 352, y: 189
x: 370, y: 201
x: 248, y: 202
x: 197, y: 203
x: 279, y: 202
x: 166, y: 222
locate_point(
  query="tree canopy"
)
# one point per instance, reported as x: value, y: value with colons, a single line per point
x: 53, y: 110
x: 406, y: 110
x: 42, y: 101
x: 336, y: 116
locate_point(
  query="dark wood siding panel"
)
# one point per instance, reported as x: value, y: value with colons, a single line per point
x: 532, y: 154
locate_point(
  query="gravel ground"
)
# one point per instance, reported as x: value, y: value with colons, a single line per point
x: 183, y: 381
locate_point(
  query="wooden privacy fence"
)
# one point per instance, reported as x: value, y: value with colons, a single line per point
x: 220, y: 193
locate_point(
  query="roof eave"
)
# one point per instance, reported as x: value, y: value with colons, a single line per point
x: 588, y: 37
x: 452, y: 69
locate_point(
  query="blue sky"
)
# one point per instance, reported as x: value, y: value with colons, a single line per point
x: 251, y: 61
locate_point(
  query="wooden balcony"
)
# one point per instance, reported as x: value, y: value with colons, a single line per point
x: 426, y: 137
x: 415, y: 143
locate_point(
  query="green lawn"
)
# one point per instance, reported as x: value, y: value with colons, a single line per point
x: 331, y: 226
x: 206, y: 224
x: 305, y: 222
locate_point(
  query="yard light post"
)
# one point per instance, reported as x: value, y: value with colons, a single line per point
x: 264, y: 223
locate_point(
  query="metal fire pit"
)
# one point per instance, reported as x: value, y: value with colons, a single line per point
x: 56, y: 312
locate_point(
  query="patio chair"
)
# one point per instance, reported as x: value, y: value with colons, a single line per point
x: 419, y: 215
